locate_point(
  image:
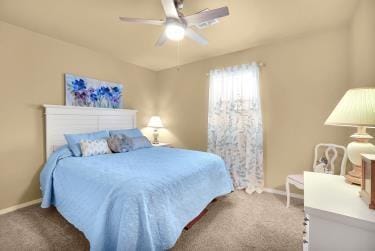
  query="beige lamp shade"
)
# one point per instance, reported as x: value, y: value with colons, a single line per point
x: 155, y: 122
x: 356, y: 109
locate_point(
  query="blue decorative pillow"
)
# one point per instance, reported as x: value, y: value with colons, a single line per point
x: 119, y: 143
x: 75, y: 139
x: 130, y: 133
x: 139, y: 142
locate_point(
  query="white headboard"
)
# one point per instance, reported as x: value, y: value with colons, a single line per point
x: 73, y: 119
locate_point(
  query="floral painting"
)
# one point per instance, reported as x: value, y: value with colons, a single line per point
x: 82, y: 91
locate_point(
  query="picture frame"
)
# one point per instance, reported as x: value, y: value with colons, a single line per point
x: 89, y: 92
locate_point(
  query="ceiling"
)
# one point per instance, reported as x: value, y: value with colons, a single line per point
x: 94, y: 24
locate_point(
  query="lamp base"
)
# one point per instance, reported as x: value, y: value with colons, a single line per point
x: 355, y: 149
x: 156, y: 135
x: 354, y: 176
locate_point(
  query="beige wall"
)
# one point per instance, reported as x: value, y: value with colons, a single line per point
x: 362, y: 45
x: 302, y: 82
x: 32, y: 68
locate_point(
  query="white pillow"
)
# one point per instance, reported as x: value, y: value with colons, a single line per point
x: 94, y: 147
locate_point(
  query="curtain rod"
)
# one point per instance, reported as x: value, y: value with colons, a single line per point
x: 260, y: 64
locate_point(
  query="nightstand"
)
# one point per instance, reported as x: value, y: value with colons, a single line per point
x: 337, y: 218
x: 162, y: 144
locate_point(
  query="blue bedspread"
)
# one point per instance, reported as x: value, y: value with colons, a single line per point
x: 139, y: 200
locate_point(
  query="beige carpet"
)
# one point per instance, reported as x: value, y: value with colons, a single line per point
x: 236, y: 222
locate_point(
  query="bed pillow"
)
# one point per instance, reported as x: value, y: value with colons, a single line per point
x: 119, y: 143
x: 139, y: 142
x: 94, y: 147
x: 75, y: 139
x: 130, y: 133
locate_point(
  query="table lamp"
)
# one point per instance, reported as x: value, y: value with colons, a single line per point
x: 356, y: 109
x: 155, y: 122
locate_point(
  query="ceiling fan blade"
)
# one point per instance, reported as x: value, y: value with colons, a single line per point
x: 142, y: 21
x: 169, y: 8
x: 193, y: 35
x: 162, y: 39
x: 207, y: 9
x: 205, y: 16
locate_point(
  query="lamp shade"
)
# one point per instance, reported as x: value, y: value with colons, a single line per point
x: 155, y: 122
x: 356, y: 108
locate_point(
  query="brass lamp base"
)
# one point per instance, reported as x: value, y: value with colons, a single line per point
x: 355, y: 149
x: 354, y: 176
x: 156, y: 135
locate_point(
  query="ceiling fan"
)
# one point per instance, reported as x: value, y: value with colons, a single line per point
x: 177, y: 26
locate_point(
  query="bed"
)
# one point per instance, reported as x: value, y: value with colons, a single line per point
x: 139, y: 200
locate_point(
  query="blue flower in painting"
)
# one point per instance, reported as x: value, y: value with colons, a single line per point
x: 104, y: 91
x: 94, y: 97
x: 78, y: 85
x: 115, y: 96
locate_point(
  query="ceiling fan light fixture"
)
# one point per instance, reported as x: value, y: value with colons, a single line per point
x: 175, y: 31
x: 176, y: 25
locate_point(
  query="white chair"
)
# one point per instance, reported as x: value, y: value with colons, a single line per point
x: 330, y: 154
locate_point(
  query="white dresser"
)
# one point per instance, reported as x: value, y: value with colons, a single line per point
x: 336, y: 217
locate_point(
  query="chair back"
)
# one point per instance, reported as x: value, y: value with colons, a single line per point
x: 330, y: 154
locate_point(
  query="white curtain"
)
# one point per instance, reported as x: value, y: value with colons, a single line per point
x: 235, y: 130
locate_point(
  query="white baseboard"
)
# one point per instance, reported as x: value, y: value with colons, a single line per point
x: 280, y: 192
x: 19, y: 206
